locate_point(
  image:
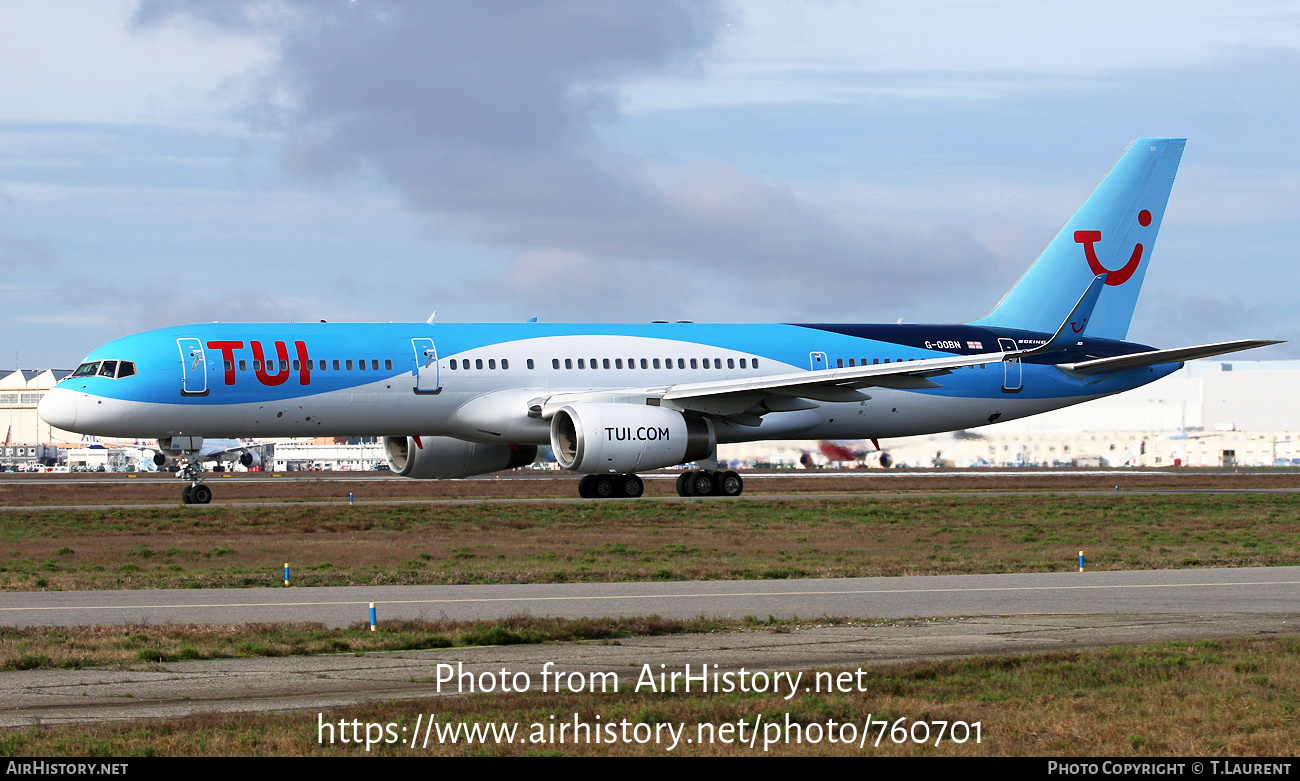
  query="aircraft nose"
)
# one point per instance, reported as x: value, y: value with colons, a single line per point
x: 58, y: 407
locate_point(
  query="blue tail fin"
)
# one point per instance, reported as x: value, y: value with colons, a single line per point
x: 1113, y: 233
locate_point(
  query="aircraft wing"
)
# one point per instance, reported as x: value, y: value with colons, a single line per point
x: 1153, y: 357
x: 745, y: 400
x: 838, y: 384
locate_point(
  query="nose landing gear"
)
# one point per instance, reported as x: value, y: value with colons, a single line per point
x: 196, y: 492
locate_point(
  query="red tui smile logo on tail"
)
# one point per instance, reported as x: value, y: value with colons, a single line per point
x: 1119, y: 276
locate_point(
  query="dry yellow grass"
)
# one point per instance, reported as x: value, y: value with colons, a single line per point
x: 1205, y: 699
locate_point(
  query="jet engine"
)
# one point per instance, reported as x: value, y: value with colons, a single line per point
x: 250, y: 458
x: 625, y: 438
x: 430, y: 458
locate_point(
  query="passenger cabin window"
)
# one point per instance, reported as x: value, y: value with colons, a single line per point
x: 388, y: 365
x: 478, y: 363
x: 731, y: 363
x: 530, y: 363
x: 492, y: 363
x: 505, y: 364
x: 230, y: 365
x: 349, y: 364
x: 336, y: 365
x: 555, y: 363
x: 374, y: 365
x: 568, y: 363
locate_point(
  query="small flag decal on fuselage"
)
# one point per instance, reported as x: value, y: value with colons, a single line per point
x: 974, y: 346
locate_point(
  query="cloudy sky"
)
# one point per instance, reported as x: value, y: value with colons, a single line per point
x: 167, y: 161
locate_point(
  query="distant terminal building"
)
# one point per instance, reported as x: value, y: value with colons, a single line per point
x: 1209, y: 413
x: 20, y: 391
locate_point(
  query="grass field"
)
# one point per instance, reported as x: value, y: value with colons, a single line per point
x: 1203, y: 699
x: 132, y: 645
x: 232, y: 546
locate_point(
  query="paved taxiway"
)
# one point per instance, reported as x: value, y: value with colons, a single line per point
x: 1247, y: 590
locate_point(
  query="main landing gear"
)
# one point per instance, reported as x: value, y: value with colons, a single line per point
x: 610, y: 487
x: 693, y: 483
x: 705, y: 483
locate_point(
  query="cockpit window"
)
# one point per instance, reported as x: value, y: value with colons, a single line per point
x: 109, y: 369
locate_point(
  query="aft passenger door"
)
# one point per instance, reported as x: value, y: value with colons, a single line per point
x: 1011, y: 368
x: 817, y: 361
x: 194, y: 367
x: 426, y: 366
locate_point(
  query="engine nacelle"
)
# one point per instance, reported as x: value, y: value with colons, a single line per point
x: 435, y: 458
x: 250, y: 459
x: 625, y: 438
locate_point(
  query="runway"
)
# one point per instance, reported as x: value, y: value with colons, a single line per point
x: 1222, y: 591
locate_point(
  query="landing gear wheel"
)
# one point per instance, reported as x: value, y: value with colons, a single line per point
x: 584, y: 487
x: 700, y: 483
x: 200, y: 494
x: 603, y: 486
x: 682, y: 488
x: 187, y: 495
x: 630, y: 486
x: 730, y: 484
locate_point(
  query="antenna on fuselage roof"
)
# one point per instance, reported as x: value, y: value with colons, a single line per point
x: 432, y: 317
x: 532, y: 319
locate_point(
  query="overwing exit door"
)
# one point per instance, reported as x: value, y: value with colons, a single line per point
x: 426, y: 366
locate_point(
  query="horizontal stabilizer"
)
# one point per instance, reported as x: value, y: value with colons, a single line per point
x: 1176, y: 355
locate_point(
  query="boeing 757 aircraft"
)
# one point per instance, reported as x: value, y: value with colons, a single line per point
x: 455, y: 400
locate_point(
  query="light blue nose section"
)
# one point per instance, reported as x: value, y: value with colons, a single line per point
x: 58, y: 407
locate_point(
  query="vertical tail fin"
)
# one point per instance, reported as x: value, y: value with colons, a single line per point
x: 1113, y: 233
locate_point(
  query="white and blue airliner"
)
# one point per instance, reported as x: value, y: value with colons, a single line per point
x: 455, y: 400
